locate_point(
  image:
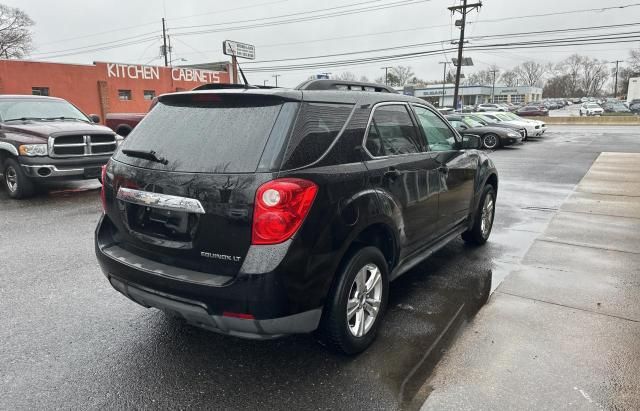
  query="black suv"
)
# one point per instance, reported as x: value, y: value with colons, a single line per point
x: 265, y: 212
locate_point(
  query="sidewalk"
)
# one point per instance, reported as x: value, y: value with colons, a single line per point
x: 563, y: 330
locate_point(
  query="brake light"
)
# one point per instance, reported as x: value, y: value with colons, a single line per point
x: 103, y: 179
x: 280, y: 208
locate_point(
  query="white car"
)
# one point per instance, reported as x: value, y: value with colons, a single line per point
x: 491, y: 107
x: 538, y: 131
x: 591, y: 109
x: 532, y: 129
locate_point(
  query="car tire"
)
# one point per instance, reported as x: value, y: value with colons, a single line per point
x: 15, y: 181
x: 364, y: 270
x: 483, y: 221
x: 490, y: 141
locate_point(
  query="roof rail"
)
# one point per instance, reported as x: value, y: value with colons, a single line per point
x: 344, y: 85
x: 225, y: 86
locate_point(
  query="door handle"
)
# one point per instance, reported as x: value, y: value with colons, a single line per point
x: 392, y: 173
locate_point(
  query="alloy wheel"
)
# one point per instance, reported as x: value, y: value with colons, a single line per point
x: 487, y: 215
x: 11, y: 178
x: 490, y: 141
x: 365, y: 296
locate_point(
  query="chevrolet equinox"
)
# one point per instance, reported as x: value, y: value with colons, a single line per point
x: 260, y: 213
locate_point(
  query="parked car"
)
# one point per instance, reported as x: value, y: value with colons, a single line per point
x: 492, y: 137
x: 48, y: 138
x: 615, y: 107
x: 485, y: 121
x: 491, y: 107
x: 532, y: 111
x: 123, y: 123
x: 530, y: 128
x: 294, y: 210
x: 539, y: 127
x: 591, y: 109
x: 634, y: 108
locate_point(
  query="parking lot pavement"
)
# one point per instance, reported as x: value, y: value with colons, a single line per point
x: 563, y: 330
x: 70, y: 341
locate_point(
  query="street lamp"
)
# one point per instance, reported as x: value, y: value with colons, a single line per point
x: 178, y: 59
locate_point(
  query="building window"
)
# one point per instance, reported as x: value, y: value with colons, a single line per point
x: 517, y: 98
x: 500, y: 98
x: 149, y: 94
x: 40, y: 91
x: 124, y: 94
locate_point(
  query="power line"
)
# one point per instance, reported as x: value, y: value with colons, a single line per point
x: 143, y: 41
x: 559, y: 13
x: 98, y: 45
x: 291, y: 14
x: 304, y: 19
x: 603, y: 39
x: 404, y: 46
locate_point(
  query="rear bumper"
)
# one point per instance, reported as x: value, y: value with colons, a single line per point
x: 255, y: 306
x: 197, y: 314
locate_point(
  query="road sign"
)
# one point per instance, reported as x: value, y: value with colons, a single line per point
x: 466, y: 61
x: 236, y: 49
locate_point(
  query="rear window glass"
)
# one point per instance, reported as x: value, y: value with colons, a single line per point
x: 216, y: 134
x: 317, y: 126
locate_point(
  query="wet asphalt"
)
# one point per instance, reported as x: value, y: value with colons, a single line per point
x: 68, y: 340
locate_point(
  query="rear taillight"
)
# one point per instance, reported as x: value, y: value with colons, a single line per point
x: 280, y: 208
x: 103, y: 180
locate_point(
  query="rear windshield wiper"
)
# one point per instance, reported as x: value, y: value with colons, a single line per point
x: 147, y: 155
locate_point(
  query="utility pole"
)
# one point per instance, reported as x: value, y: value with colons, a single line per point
x: 444, y: 78
x: 264, y: 82
x: 462, y: 9
x: 493, y: 87
x: 386, y: 75
x: 615, y: 86
x: 164, y: 43
x: 276, y: 77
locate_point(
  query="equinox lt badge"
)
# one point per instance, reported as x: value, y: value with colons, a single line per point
x: 220, y: 256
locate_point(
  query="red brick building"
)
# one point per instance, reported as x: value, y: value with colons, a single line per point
x: 102, y: 88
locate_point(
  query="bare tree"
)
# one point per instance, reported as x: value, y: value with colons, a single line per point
x: 530, y: 73
x: 481, y: 78
x: 345, y: 76
x: 15, y: 32
x: 594, y: 75
x: 364, y: 79
x: 509, y: 78
x: 634, y: 60
x: 402, y: 74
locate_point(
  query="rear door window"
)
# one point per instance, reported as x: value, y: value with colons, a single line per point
x: 205, y: 133
x: 317, y: 126
x: 392, y: 132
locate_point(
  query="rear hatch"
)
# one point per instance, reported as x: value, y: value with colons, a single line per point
x: 190, y: 203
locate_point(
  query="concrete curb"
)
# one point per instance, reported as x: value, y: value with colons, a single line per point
x: 602, y: 120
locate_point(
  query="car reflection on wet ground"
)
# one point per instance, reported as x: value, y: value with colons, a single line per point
x: 70, y: 341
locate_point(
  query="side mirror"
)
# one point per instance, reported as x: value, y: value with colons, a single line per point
x: 95, y: 118
x: 471, y: 141
x: 462, y: 127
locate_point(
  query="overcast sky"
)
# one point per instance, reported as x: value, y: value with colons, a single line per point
x: 73, y: 24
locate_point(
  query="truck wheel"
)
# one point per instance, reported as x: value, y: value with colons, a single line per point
x: 123, y: 130
x: 483, y: 221
x: 356, y: 303
x: 18, y: 185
